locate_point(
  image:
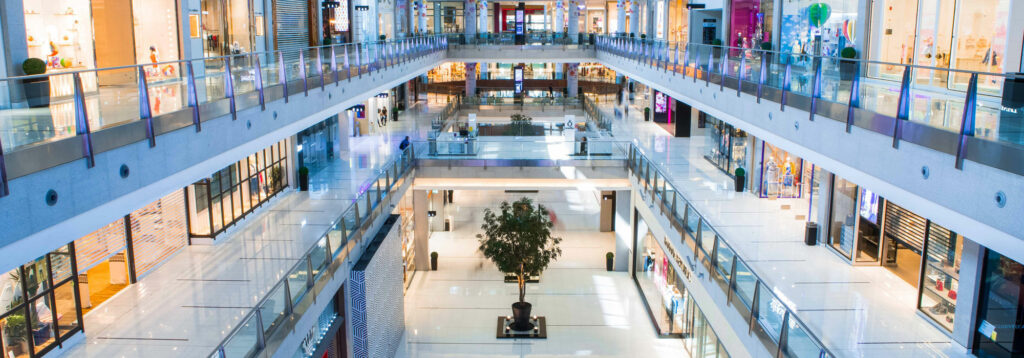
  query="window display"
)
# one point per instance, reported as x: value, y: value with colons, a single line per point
x: 678, y: 21
x: 226, y: 25
x: 156, y: 36
x: 730, y: 145
x: 803, y: 20
x: 781, y: 173
x: 35, y: 315
x: 750, y: 23
x: 999, y: 331
x: 61, y: 34
x: 941, y: 275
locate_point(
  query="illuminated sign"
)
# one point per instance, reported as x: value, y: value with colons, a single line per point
x: 520, y: 19
x: 519, y: 79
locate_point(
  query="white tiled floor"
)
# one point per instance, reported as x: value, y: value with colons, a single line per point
x: 856, y: 311
x: 190, y: 303
x: 590, y: 312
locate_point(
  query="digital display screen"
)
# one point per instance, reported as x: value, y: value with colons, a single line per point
x: 520, y: 19
x: 518, y: 76
x: 869, y: 205
x: 660, y: 102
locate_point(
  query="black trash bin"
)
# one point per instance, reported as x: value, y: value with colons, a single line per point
x: 811, y: 234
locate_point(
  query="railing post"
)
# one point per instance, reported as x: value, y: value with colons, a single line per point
x: 815, y: 87
x: 753, y: 306
x: 359, y: 60
x: 302, y: 72
x: 762, y: 76
x: 675, y: 62
x: 854, y: 99
x: 282, y: 75
x: 261, y: 339
x: 967, y: 122
x: 334, y: 67
x: 741, y: 72
x: 4, y: 189
x: 783, y: 335
x: 229, y: 87
x: 145, y: 111
x: 82, y: 122
x: 348, y: 68
x: 711, y: 64
x: 902, y: 109
x: 258, y: 78
x: 786, y: 77
x: 724, y: 65
x: 320, y: 68
x: 193, y: 97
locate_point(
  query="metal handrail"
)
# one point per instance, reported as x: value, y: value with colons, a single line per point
x: 758, y: 281
x: 402, y: 164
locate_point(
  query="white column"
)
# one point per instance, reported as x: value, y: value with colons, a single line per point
x: 483, y: 16
x: 483, y: 70
x: 420, y: 229
x: 421, y: 16
x: 344, y: 128
x: 620, y: 19
x: 635, y: 17
x: 469, y: 19
x: 470, y: 79
x: 572, y: 80
x: 574, y: 22
x: 650, y: 7
x: 559, y: 16
x: 558, y: 70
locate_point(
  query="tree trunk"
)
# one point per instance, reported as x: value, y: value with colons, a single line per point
x: 522, y: 284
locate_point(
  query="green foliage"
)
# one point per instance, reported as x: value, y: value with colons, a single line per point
x: 716, y: 42
x: 767, y: 46
x: 33, y: 66
x: 303, y: 171
x: 740, y: 171
x: 275, y: 177
x: 15, y: 328
x: 433, y: 255
x: 518, y: 240
x: 521, y: 124
x: 848, y: 52
x: 609, y: 255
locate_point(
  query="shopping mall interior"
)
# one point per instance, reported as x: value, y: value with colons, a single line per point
x: 477, y: 178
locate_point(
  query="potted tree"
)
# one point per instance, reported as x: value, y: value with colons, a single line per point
x: 275, y: 177
x: 433, y: 261
x: 741, y: 179
x: 647, y: 114
x: 767, y: 48
x: 609, y: 261
x: 14, y: 334
x: 37, y: 90
x: 303, y: 179
x: 847, y: 67
x: 518, y: 240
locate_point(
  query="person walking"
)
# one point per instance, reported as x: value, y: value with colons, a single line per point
x: 404, y: 144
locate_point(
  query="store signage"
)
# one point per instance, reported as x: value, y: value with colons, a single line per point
x: 362, y: 8
x: 678, y: 259
x: 519, y: 79
x: 520, y: 19
x: 987, y: 329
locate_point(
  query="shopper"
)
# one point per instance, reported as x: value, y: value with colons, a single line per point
x: 404, y: 144
x: 583, y: 146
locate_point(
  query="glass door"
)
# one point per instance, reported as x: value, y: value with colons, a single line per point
x: 934, y: 41
x: 894, y: 42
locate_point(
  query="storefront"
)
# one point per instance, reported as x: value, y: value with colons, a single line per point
x: 780, y: 174
x: 750, y: 23
x: 327, y: 337
x: 335, y: 21
x: 226, y: 27
x: 217, y: 202
x: 39, y: 309
x: 836, y: 21
x: 408, y: 240
x: 445, y: 16
x: 999, y: 331
x: 967, y: 35
x: 662, y: 287
x: 315, y: 146
x: 728, y: 147
x: 678, y: 21
x: 869, y: 230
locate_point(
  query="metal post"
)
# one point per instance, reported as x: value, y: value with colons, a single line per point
x: 82, y: 122
x: 741, y: 72
x: 675, y: 62
x: 854, y: 99
x: 145, y: 111
x: 966, y: 123
x: 4, y: 189
x: 229, y: 87
x: 302, y: 72
x: 763, y: 75
x: 259, y: 83
x: 816, y: 88
x: 785, y: 86
x: 282, y: 75
x: 348, y: 68
x: 902, y: 109
x: 753, y: 306
x: 724, y: 65
x: 359, y: 60
x: 334, y: 67
x: 783, y: 335
x: 320, y: 68
x: 193, y: 98
x: 711, y: 64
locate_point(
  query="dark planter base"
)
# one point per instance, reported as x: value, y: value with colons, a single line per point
x: 37, y: 93
x: 609, y: 264
x: 303, y: 182
x: 529, y: 279
x: 521, y: 316
x: 847, y: 69
x: 740, y: 182
x: 433, y: 264
x: 539, y: 330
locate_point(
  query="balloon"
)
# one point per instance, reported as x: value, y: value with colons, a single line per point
x: 818, y: 13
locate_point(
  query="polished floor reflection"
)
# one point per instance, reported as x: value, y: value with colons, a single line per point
x: 590, y: 312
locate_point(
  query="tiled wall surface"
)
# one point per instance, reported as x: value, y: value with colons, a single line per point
x: 376, y: 304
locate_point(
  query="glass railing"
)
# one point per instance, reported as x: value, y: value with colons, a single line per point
x: 518, y: 149
x: 770, y: 317
x: 335, y: 246
x: 64, y: 104
x: 594, y: 115
x: 530, y: 38
x: 526, y: 101
x: 942, y: 98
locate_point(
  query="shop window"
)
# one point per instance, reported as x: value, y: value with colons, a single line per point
x: 981, y: 42
x: 659, y: 283
x: 1000, y: 326
x: 843, y: 217
x: 13, y: 332
x: 32, y: 326
x: 838, y: 30
x: 941, y: 279
x: 64, y: 307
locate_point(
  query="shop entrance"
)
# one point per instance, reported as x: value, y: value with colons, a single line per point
x: 103, y: 281
x: 904, y: 243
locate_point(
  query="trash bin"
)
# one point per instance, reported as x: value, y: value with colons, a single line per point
x: 811, y: 234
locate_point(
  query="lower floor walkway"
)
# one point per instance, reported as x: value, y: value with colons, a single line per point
x: 590, y: 312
